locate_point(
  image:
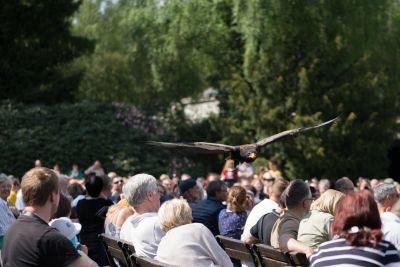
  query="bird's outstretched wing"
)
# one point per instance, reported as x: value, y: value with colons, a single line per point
x: 198, y: 147
x: 291, y: 133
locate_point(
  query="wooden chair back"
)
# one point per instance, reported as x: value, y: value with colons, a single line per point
x: 271, y: 257
x: 236, y: 249
x: 147, y: 262
x: 299, y: 259
x: 113, y: 247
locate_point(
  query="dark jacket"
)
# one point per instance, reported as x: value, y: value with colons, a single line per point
x: 207, y: 212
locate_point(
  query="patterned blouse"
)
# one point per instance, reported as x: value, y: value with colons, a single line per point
x: 231, y: 224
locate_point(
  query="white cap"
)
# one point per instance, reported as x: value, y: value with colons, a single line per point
x: 66, y: 227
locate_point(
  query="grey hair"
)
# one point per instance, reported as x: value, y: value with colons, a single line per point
x: 295, y: 193
x: 137, y: 186
x: 381, y: 191
x: 4, y: 178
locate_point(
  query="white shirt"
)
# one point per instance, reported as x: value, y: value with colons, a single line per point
x: 391, y: 228
x: 19, y: 203
x: 191, y: 245
x: 144, y: 232
x: 264, y: 207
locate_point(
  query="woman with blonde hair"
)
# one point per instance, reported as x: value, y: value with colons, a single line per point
x: 185, y: 243
x: 231, y: 220
x: 116, y: 216
x: 315, y: 228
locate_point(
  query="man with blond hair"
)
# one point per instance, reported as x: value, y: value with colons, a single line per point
x: 30, y: 241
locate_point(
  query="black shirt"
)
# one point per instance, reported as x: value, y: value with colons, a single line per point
x: 263, y: 228
x: 30, y: 241
x: 92, y: 214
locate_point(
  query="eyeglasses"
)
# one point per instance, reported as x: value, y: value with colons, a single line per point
x: 118, y: 182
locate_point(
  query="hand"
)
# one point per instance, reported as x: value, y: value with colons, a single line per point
x: 309, y: 252
x: 83, y: 248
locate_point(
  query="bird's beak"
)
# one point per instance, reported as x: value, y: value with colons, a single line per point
x: 252, y: 155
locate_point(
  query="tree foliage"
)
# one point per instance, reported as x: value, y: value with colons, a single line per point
x: 304, y: 63
x: 35, y: 45
x: 81, y: 133
x: 164, y: 57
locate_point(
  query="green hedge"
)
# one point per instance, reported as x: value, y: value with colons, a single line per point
x: 81, y: 133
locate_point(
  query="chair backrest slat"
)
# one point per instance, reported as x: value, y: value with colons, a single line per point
x: 113, y: 247
x: 269, y: 256
x: 236, y: 249
x: 147, y: 262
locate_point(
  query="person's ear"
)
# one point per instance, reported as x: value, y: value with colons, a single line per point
x: 53, y: 197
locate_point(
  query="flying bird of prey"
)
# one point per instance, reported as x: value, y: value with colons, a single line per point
x: 240, y: 153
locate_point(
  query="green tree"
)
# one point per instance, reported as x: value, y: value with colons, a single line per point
x: 167, y: 58
x: 35, y: 44
x: 304, y: 63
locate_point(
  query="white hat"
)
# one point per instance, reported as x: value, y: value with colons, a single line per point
x: 66, y: 227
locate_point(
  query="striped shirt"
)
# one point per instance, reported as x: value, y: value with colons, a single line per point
x: 338, y: 253
x: 6, y: 217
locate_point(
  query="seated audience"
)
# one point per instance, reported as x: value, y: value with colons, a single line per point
x: 258, y: 185
x: 68, y: 229
x: 142, y: 228
x: 364, y: 183
x: 387, y: 199
x: 261, y: 231
x: 186, y: 243
x: 229, y: 173
x: 391, y: 225
x: 75, y: 174
x: 297, y: 199
x: 96, y: 169
x: 323, y: 185
x: 315, y: 228
x: 232, y: 219
x: 273, y: 169
x: 189, y: 190
x: 207, y: 210
x: 91, y: 213
x: 116, y: 216
x: 264, y: 207
x: 116, y: 189
x: 385, y: 196
x: 38, y: 244
x: 344, y: 185
x: 63, y: 209
x: 373, y: 183
x: 168, y: 185
x: 6, y: 216
x: 15, y: 186
x: 357, y: 236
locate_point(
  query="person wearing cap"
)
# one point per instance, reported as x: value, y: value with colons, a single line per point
x: 30, y: 241
x: 189, y: 190
x: 68, y: 229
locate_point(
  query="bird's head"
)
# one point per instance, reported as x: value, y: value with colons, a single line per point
x: 248, y: 152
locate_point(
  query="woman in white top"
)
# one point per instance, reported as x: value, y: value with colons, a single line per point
x: 185, y: 243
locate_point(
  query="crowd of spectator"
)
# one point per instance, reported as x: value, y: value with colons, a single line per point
x: 53, y: 219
